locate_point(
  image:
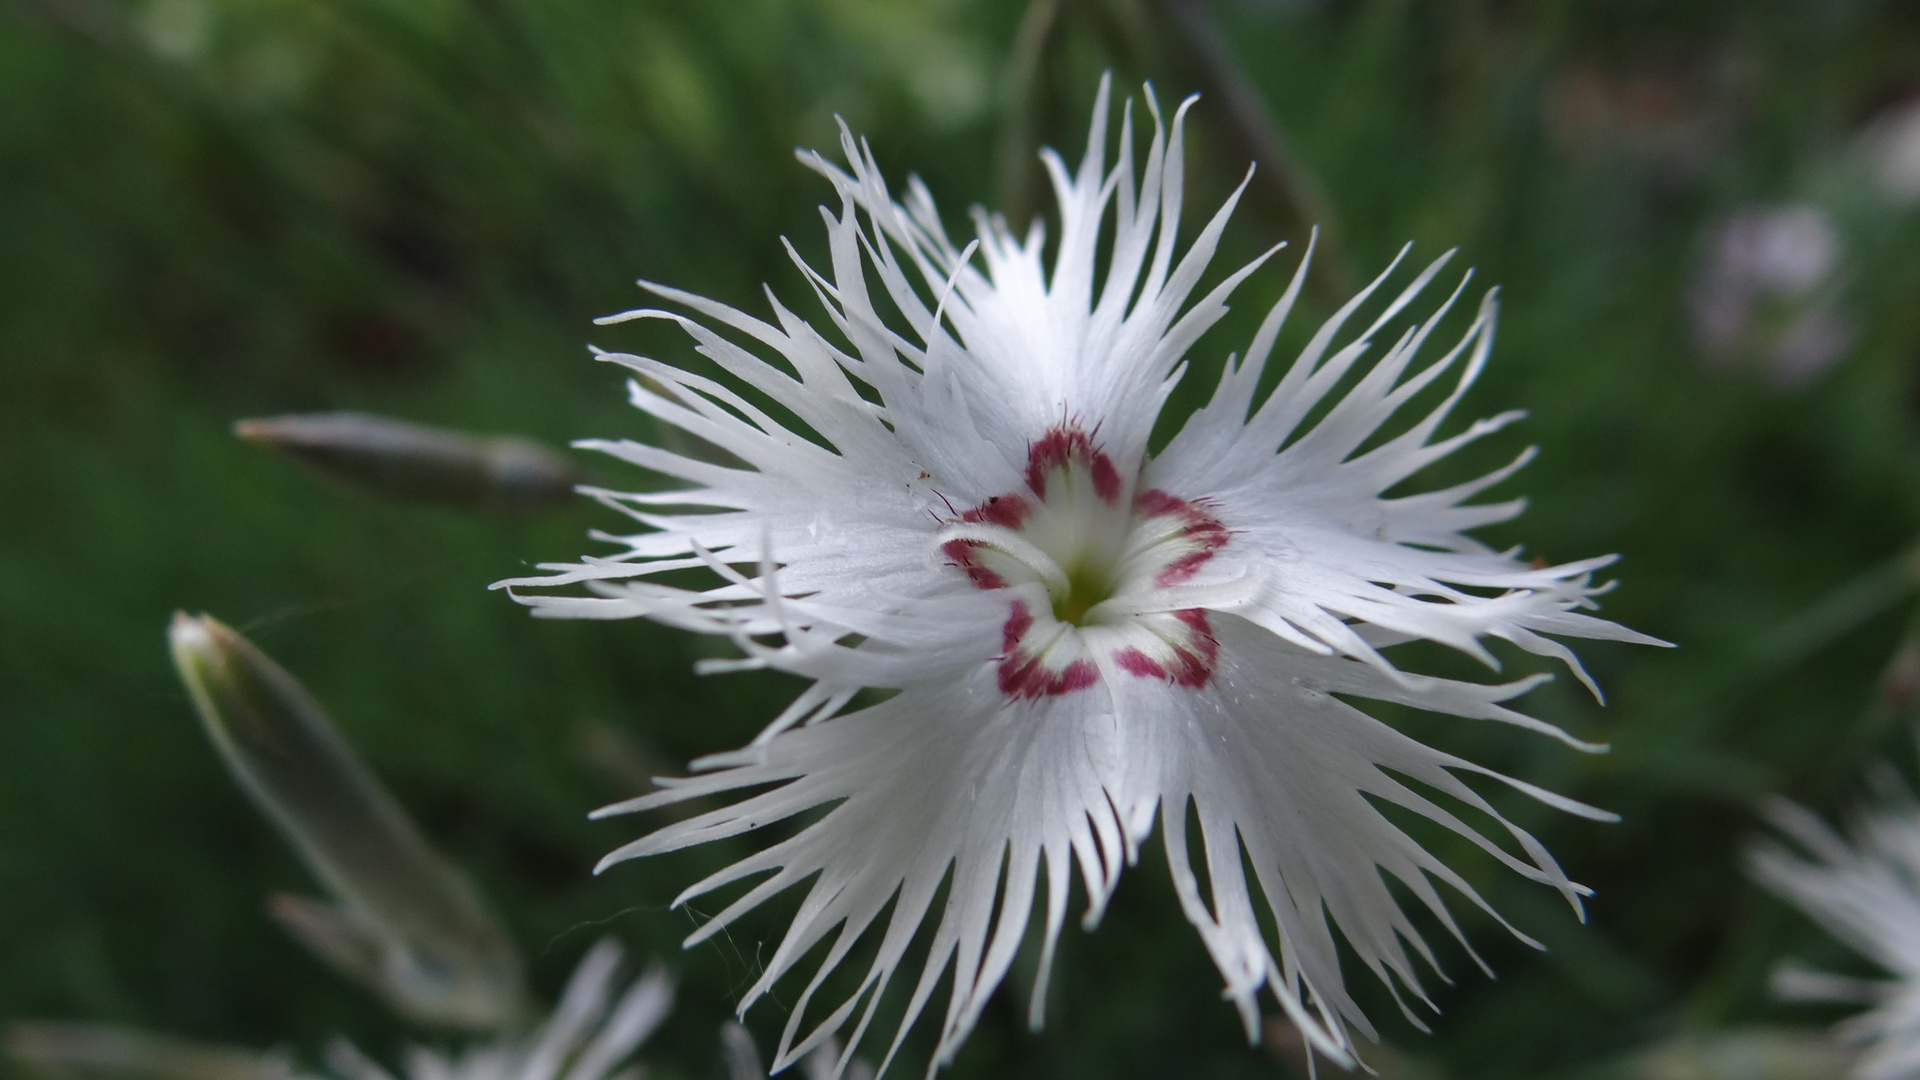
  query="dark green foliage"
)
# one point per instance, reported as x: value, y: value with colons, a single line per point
x: 213, y: 209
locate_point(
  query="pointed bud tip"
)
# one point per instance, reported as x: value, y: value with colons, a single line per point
x: 200, y: 636
x: 191, y: 640
x: 189, y: 626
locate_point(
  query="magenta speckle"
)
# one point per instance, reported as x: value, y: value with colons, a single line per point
x: 1153, y: 502
x: 961, y: 553
x: 1064, y: 447
x: 1079, y: 675
x: 1182, y: 568
x: 1006, y: 511
x: 1023, y: 675
x: 1189, y: 670
x: 1106, y: 479
x: 1019, y: 621
x: 1203, y: 641
x: 1192, y: 661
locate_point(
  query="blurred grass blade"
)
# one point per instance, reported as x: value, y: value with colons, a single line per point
x: 1839, y: 611
x: 407, y: 924
x: 89, y: 1050
x: 413, y: 461
x: 1799, y: 637
x: 1290, y: 192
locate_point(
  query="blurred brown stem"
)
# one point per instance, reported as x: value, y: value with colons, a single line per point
x: 1287, y: 191
x: 1182, y: 40
x: 1013, y: 158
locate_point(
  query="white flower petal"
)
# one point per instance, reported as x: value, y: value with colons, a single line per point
x: 588, y: 1037
x: 1279, y: 770
x: 935, y: 782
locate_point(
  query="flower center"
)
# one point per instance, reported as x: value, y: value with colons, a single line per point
x: 1105, y: 561
x: 1087, y: 585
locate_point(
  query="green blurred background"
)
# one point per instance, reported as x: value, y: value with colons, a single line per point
x: 213, y: 209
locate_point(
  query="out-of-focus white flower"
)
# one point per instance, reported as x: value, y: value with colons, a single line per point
x: 590, y: 1036
x: 743, y: 1059
x: 1764, y: 287
x: 948, y: 491
x: 1867, y: 894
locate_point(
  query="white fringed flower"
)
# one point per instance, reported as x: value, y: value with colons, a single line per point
x: 590, y: 1036
x: 956, y: 501
x: 743, y: 1059
x: 1867, y: 894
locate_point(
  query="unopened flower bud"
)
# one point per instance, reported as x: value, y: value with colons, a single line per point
x: 414, y: 461
x: 406, y: 923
